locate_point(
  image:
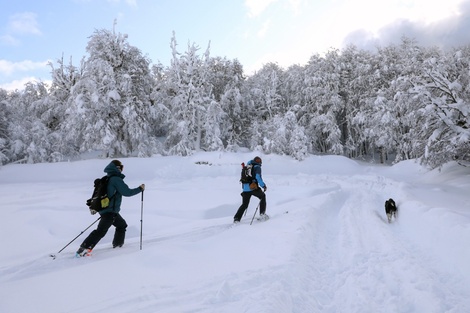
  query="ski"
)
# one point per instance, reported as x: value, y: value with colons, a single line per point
x: 82, y: 253
x: 263, y: 218
x: 259, y: 219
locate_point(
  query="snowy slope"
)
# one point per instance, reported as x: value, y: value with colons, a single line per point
x: 326, y: 248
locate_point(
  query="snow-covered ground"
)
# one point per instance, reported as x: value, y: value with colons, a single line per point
x: 327, y: 247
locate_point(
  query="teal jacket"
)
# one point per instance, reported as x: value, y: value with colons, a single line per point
x: 117, y: 188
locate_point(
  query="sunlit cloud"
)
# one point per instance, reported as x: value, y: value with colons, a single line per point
x: 427, y: 12
x: 7, y: 68
x: 9, y: 40
x: 431, y: 25
x: 132, y: 3
x: 24, y: 23
x: 256, y: 7
x: 295, y: 6
x: 21, y: 83
x: 264, y: 29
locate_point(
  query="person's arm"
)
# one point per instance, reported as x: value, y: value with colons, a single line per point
x: 124, y: 189
x: 259, y: 179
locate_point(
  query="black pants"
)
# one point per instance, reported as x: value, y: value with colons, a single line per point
x: 246, y: 201
x: 107, y: 220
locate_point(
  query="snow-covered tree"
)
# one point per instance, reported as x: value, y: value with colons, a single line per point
x: 159, y: 99
x: 263, y: 102
x: 292, y: 87
x: 357, y: 88
x: 404, y: 100
x: 214, y: 119
x: 265, y: 89
x: 394, y: 117
x: 287, y: 137
x: 189, y: 98
x: 4, y: 124
x: 29, y: 136
x: 55, y: 106
x: 235, y: 120
x: 225, y: 80
x: 379, y: 115
x: 322, y: 104
x: 111, y: 108
x: 446, y: 115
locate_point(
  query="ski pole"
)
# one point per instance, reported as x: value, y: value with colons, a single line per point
x: 255, y: 212
x: 54, y: 255
x: 141, y: 217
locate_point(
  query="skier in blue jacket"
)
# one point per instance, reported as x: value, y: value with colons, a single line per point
x: 250, y: 191
x: 110, y: 216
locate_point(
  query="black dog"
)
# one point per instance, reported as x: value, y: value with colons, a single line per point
x: 390, y: 209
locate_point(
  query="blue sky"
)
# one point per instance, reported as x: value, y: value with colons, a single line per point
x: 253, y: 31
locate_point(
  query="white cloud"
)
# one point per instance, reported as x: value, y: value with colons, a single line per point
x: 373, y: 15
x: 430, y: 11
x: 256, y: 7
x: 20, y: 83
x: 264, y: 29
x: 7, y: 68
x: 9, y: 40
x: 132, y: 3
x: 430, y: 23
x: 24, y: 23
x: 366, y: 21
x: 295, y: 6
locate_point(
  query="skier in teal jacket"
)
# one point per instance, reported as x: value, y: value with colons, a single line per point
x: 110, y: 216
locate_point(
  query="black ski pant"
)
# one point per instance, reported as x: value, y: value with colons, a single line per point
x: 107, y: 220
x: 246, y: 201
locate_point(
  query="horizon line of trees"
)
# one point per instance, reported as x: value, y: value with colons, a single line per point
x: 405, y: 101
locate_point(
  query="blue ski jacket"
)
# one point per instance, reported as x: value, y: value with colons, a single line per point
x: 117, y: 188
x: 257, y: 175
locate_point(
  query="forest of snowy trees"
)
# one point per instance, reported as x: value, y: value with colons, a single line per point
x: 401, y: 101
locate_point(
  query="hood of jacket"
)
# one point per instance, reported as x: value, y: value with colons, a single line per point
x: 112, y: 170
x: 252, y: 162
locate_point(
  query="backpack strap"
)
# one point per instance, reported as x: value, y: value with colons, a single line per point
x: 115, y: 191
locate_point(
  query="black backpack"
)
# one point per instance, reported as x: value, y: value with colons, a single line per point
x: 99, y: 199
x: 247, y: 174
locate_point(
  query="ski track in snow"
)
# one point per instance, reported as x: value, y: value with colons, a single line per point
x: 379, y: 260
x: 41, y: 265
x: 344, y: 257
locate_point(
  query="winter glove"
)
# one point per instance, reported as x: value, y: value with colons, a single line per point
x: 265, y: 188
x: 93, y: 212
x: 142, y: 187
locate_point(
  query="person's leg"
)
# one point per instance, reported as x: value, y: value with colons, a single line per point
x: 245, y: 202
x: 120, y: 232
x: 95, y: 236
x: 262, y: 196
